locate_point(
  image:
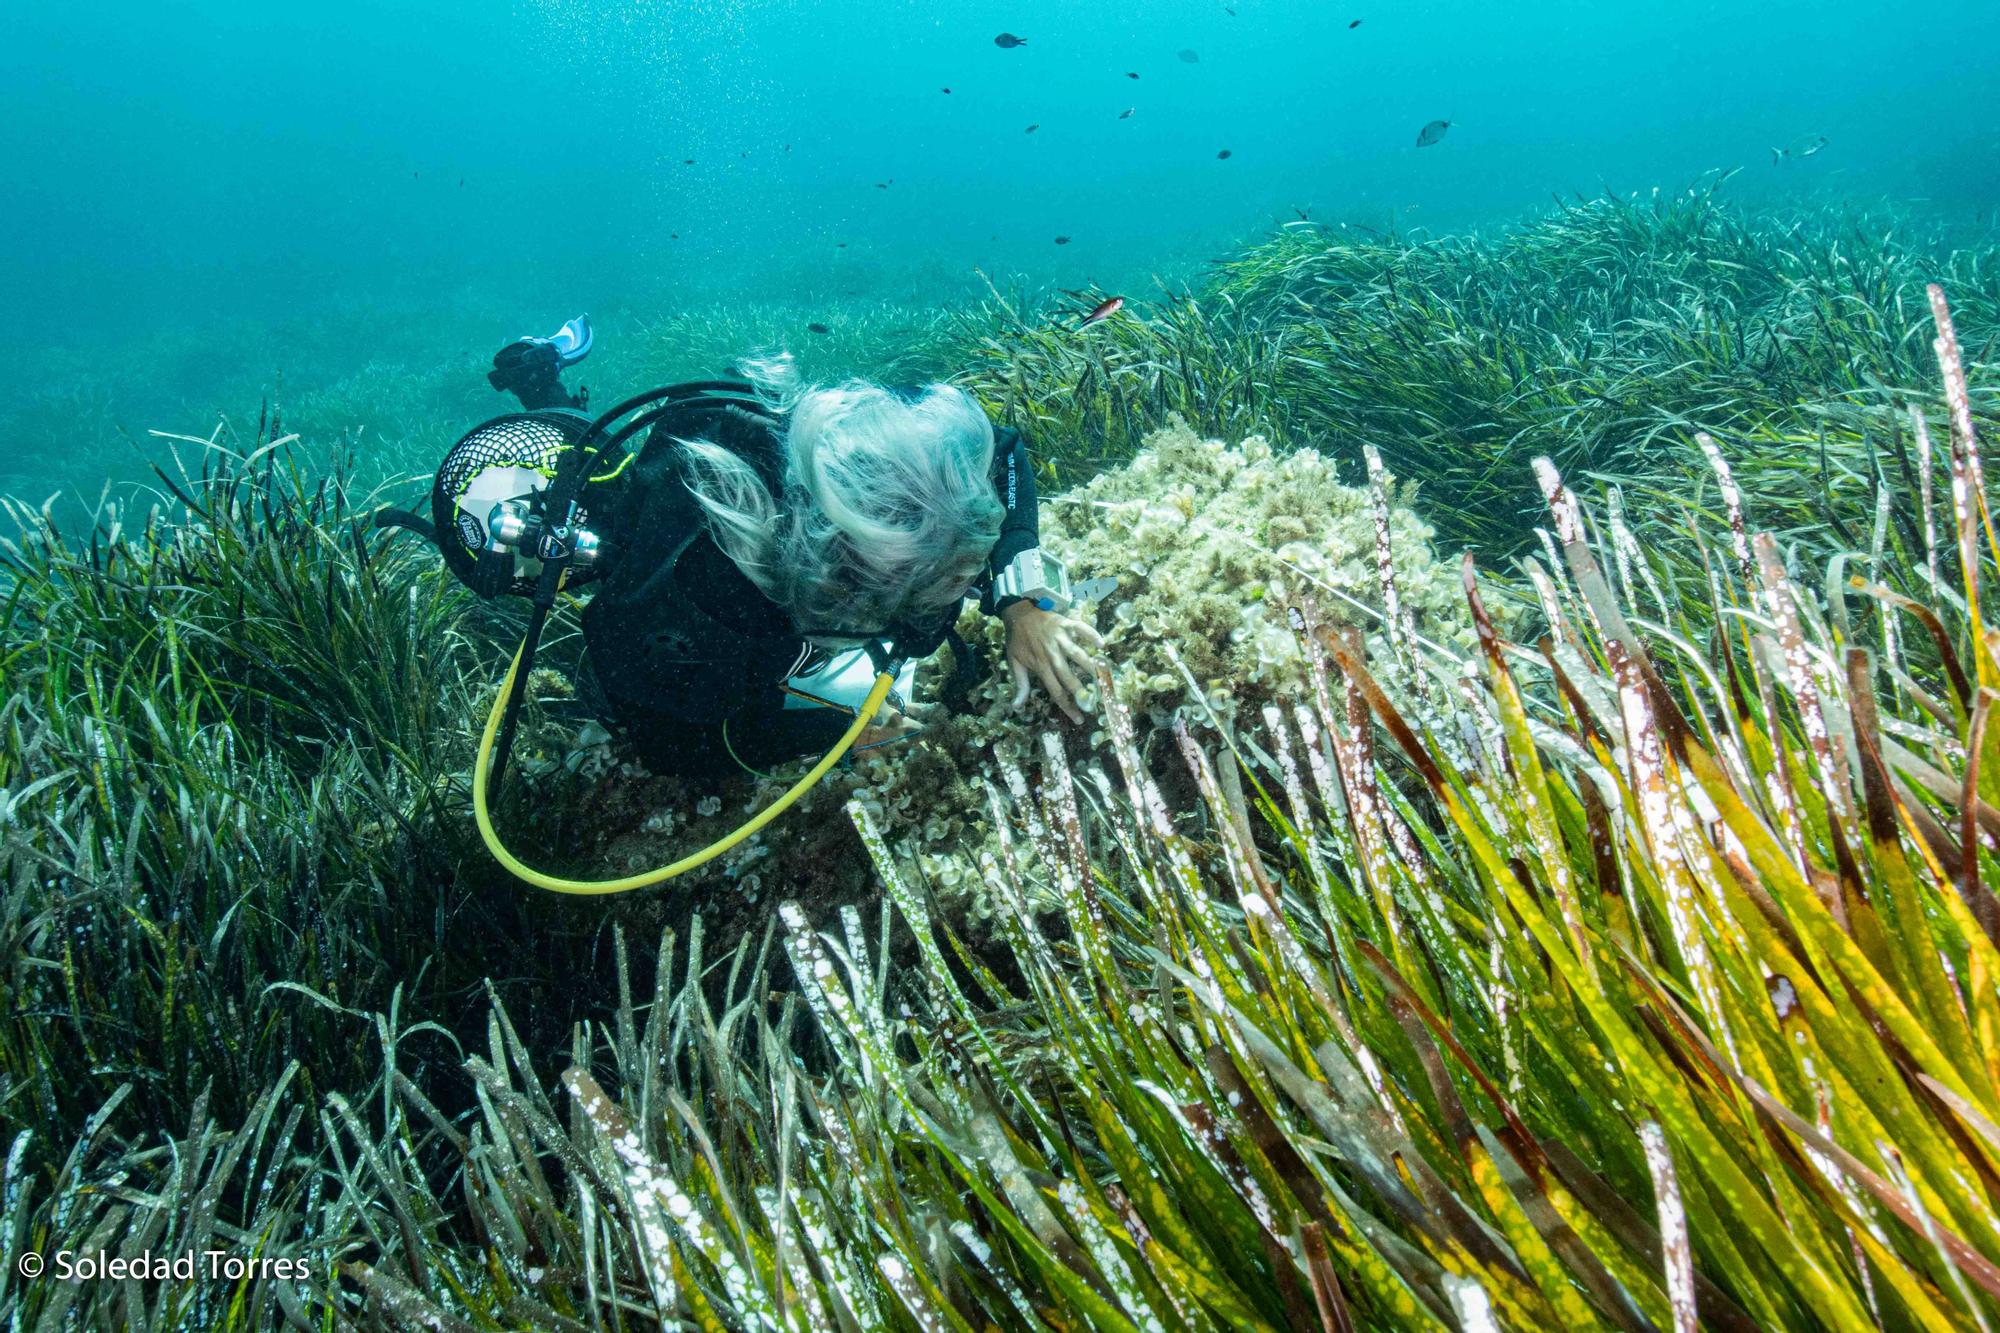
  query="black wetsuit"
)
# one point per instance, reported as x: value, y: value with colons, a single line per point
x: 688, y: 654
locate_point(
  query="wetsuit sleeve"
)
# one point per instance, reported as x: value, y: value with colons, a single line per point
x: 1020, y: 528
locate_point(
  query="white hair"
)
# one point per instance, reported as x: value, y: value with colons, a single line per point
x: 887, y: 508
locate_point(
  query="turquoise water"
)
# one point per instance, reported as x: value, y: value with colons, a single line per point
x: 200, y: 197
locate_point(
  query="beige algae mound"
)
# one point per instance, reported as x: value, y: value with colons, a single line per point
x: 1205, y: 538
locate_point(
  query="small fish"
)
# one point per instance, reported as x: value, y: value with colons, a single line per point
x: 687, y: 161
x: 788, y: 148
x: 673, y: 236
x: 1798, y: 149
x: 1032, y: 128
x: 1227, y: 10
x: 1224, y: 154
x: 881, y: 185
x: 1007, y: 41
x: 461, y: 182
x: 1189, y: 56
x: 818, y: 328
x: 1102, y: 311
x: 1126, y: 114
x: 1062, y: 240
x: 1352, y: 26
x: 1432, y: 132
x: 1130, y: 75
x: 947, y: 90
x: 840, y: 245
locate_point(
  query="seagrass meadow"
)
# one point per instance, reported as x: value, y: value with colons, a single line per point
x: 1630, y: 961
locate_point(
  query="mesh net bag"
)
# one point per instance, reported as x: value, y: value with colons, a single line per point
x: 508, y: 458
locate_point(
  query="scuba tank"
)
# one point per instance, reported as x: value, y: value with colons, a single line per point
x: 487, y: 511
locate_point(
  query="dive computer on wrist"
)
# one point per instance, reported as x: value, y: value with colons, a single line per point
x: 1036, y: 576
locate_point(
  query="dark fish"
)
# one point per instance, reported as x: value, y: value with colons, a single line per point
x: 687, y: 161
x: 1130, y: 75
x: 881, y: 185
x: 947, y: 90
x: 840, y: 245
x: 1227, y: 10
x: 673, y: 236
x: 1104, y: 310
x: 1352, y: 26
x: 818, y: 328
x: 788, y: 148
x: 1798, y: 149
x: 1189, y: 57
x: 1062, y: 240
x: 1432, y: 132
x: 461, y: 182
x: 1007, y: 41
x: 1126, y: 114
x: 1032, y: 128
x: 1223, y: 154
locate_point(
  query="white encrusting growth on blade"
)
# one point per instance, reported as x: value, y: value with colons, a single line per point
x: 996, y: 1273
x: 1396, y: 617
x: 1105, y: 1255
x: 1676, y: 1255
x: 1732, y: 499
x: 1562, y: 505
x: 1660, y: 819
x: 1956, y: 393
x: 1834, y: 781
x: 664, y: 1209
x: 1924, y: 474
x: 927, y: 1317
x: 1471, y: 1304
x: 1502, y: 999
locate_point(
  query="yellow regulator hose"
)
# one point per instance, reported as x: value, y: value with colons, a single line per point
x: 593, y: 887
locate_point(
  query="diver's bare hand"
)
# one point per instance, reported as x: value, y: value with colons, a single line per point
x: 1050, y: 647
x: 896, y: 726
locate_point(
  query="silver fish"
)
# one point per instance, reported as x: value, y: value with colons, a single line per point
x: 1432, y: 132
x: 1798, y: 149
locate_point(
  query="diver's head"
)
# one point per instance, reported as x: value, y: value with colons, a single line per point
x: 888, y: 513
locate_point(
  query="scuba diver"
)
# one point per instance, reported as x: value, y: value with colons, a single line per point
x: 766, y: 550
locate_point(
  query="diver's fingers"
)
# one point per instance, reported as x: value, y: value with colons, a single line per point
x: 1069, y: 655
x: 1060, y: 696
x: 1021, y: 683
x: 1089, y: 632
x: 1085, y: 663
x: 1062, y: 685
